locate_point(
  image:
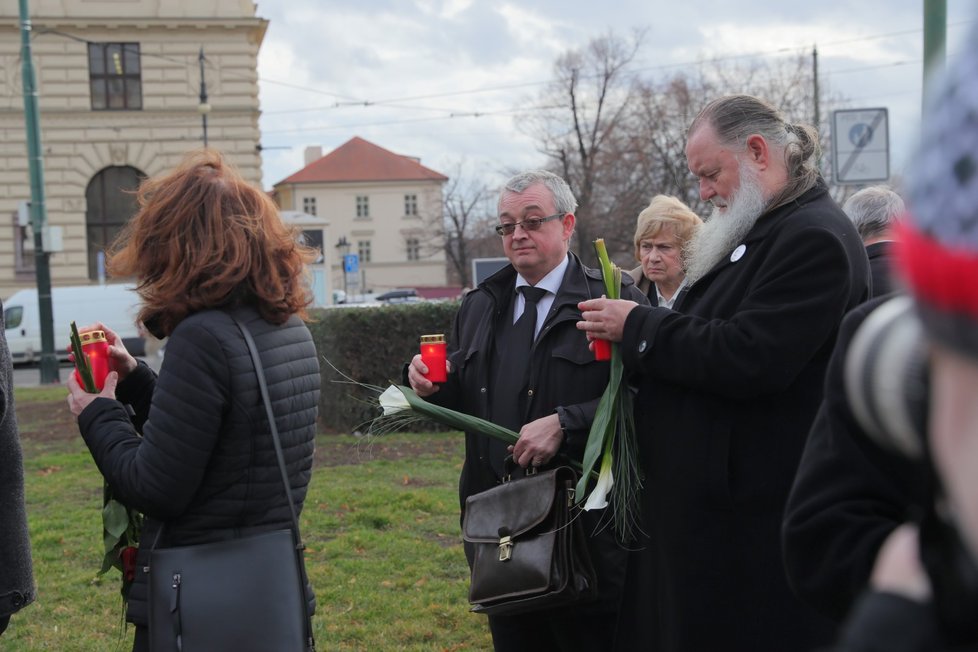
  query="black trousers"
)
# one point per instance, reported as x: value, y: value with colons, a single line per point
x: 588, y: 627
x: 4, y: 621
x: 574, y: 630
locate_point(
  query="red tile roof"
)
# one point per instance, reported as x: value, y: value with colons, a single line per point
x: 361, y: 160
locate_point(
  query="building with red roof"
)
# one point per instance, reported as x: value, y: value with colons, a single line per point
x: 383, y: 207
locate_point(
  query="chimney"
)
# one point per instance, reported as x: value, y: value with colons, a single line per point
x: 313, y: 154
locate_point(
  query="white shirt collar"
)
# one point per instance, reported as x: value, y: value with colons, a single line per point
x: 551, y: 282
x: 668, y: 303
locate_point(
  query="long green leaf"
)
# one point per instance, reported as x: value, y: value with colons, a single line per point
x: 603, y: 425
x: 462, y: 421
x: 82, y: 363
x: 611, y: 287
x: 611, y: 440
x: 115, y: 518
x: 604, y: 419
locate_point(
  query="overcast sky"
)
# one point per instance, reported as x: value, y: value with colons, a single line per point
x: 411, y: 75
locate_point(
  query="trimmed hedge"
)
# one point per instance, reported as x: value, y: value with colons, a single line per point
x: 370, y: 345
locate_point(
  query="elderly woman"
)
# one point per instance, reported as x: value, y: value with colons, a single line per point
x: 661, y: 235
x: 205, y: 248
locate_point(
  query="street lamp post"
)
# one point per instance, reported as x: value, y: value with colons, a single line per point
x: 343, y: 246
x: 35, y: 167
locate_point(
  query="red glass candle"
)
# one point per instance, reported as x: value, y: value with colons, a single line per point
x: 602, y: 349
x: 435, y: 357
x: 96, y: 349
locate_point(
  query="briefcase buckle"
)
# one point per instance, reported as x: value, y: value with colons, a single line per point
x: 506, y: 548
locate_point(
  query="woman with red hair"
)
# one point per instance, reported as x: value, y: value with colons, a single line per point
x: 189, y: 448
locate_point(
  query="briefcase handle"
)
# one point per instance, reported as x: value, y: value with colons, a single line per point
x: 513, y: 471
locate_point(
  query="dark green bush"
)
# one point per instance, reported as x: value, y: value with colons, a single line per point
x: 369, y: 345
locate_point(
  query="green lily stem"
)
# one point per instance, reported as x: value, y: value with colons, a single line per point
x: 462, y: 421
x: 82, y: 363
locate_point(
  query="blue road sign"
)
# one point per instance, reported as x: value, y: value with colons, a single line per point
x: 351, y: 263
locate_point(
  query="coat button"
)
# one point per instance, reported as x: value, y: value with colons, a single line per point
x: 17, y: 599
x: 642, y: 346
x: 529, y: 392
x: 482, y: 389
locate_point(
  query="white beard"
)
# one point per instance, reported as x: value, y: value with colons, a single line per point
x: 723, y: 231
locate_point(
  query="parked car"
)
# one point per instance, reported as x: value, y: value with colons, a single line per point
x: 113, y: 305
x: 398, y: 296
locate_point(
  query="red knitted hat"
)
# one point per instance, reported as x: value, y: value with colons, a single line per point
x: 937, y: 248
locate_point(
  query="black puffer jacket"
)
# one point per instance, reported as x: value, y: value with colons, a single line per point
x: 206, y: 464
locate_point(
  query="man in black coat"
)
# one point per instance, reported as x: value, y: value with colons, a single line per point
x: 16, y: 571
x: 549, y: 395
x: 729, y: 385
x: 874, y: 211
x: 924, y: 582
x: 848, y: 496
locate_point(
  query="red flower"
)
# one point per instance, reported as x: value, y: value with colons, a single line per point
x: 128, y: 557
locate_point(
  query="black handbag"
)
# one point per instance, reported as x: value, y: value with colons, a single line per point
x: 530, y: 549
x: 243, y: 595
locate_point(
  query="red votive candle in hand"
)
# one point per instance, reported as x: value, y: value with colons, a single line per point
x: 435, y: 357
x: 602, y: 349
x: 96, y: 349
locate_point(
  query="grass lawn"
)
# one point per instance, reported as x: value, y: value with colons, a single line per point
x: 380, y: 523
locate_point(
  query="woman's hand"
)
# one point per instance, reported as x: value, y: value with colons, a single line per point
x: 78, y: 398
x: 120, y: 360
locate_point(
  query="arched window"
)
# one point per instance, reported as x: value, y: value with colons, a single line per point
x: 111, y: 203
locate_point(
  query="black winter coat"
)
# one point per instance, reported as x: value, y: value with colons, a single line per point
x: 564, y: 376
x: 848, y: 495
x: 205, y: 465
x: 728, y: 388
x: 16, y: 571
x: 886, y: 622
x: 881, y: 267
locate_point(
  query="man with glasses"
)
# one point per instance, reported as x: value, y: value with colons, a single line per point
x: 538, y: 377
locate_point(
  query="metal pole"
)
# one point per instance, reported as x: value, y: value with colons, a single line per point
x: 344, y: 247
x: 49, y: 362
x: 818, y: 117
x: 204, y: 108
x: 935, y: 37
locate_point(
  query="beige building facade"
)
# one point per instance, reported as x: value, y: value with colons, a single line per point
x: 384, y: 207
x: 119, y: 86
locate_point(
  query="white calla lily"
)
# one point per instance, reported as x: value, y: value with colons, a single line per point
x: 598, y: 498
x: 393, y: 401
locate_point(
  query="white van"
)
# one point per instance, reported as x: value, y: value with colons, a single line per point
x: 115, y: 306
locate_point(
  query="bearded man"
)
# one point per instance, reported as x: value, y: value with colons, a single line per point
x: 729, y: 385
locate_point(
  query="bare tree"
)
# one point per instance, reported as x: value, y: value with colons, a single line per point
x: 466, y: 225
x: 660, y: 116
x: 579, y: 130
x: 619, y: 138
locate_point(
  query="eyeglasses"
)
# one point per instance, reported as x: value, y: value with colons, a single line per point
x: 529, y: 224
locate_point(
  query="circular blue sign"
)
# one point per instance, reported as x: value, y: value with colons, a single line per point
x: 860, y: 134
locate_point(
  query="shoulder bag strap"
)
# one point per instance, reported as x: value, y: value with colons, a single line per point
x: 273, y: 427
